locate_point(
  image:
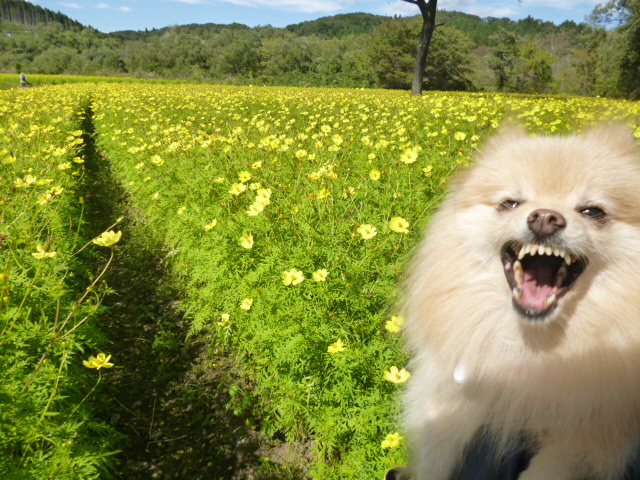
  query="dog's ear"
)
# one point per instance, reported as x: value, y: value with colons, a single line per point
x: 509, y: 132
x: 615, y: 136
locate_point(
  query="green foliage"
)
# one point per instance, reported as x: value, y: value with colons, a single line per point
x: 392, y: 56
x: 20, y: 11
x: 301, y: 171
x: 626, y: 37
x: 182, y: 153
x: 49, y: 291
x: 336, y: 51
x: 338, y: 25
x: 520, y: 66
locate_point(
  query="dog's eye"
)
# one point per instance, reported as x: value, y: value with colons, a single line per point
x: 509, y: 204
x: 595, y: 213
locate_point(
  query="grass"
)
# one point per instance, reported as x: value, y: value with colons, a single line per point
x: 266, y: 231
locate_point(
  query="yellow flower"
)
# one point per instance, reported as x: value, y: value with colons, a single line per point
x: 244, y: 176
x: 181, y: 210
x: 367, y: 231
x: 98, y: 362
x: 255, y: 209
x: 322, y: 194
x: 264, y: 194
x: 107, y: 239
x: 336, y: 347
x: 410, y: 155
x: 348, y: 192
x: 256, y: 165
x: 157, y: 160
x: 246, y: 304
x: 392, y: 440
x: 154, y: 196
x: 427, y: 170
x: 210, y: 225
x: 224, y: 318
x: 49, y: 195
x: 43, y: 253
x: 246, y: 241
x: 374, y: 174
x: 237, y: 188
x: 395, y: 324
x: 292, y: 277
x: 320, y: 275
x: 24, y: 182
x: 399, y: 225
x: 460, y: 136
x: 394, y: 375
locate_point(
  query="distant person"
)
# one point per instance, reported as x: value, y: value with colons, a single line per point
x: 23, y: 80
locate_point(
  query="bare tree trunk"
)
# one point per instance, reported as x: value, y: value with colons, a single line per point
x: 428, y: 11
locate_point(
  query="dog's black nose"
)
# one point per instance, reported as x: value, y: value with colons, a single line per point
x: 545, y: 222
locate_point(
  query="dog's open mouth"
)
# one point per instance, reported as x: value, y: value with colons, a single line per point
x: 539, y: 275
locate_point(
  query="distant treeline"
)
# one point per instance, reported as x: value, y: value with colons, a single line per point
x: 19, y: 11
x: 351, y: 50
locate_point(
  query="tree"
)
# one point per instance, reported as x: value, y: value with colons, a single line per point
x: 519, y: 65
x: 391, y: 51
x: 627, y: 14
x: 428, y: 12
x: 391, y: 54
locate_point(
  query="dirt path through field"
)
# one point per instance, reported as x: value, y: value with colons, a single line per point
x: 167, y: 393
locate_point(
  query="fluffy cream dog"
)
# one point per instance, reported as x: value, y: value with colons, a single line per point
x: 523, y: 306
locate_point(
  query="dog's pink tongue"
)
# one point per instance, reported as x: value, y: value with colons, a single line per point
x: 537, y: 287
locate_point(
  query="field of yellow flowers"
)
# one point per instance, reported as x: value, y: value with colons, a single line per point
x: 288, y: 215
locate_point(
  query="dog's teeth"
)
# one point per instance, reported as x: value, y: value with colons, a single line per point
x: 556, y: 252
x: 568, y: 259
x: 548, y: 250
x: 561, y: 275
x: 551, y: 300
x: 518, y: 273
x: 541, y: 250
x: 523, y: 252
x: 517, y: 295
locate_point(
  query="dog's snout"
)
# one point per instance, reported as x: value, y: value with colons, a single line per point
x: 545, y: 222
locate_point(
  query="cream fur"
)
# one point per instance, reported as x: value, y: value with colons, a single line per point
x: 571, y: 382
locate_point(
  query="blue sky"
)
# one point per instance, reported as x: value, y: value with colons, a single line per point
x: 112, y: 15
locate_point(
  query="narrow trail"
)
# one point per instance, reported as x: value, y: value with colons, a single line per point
x: 167, y: 393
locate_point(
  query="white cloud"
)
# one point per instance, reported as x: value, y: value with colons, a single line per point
x: 102, y: 5
x: 300, y: 6
x: 126, y: 9
x: 70, y: 5
x: 562, y: 4
x: 401, y: 8
x: 492, y: 11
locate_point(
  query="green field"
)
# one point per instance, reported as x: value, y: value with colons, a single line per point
x: 281, y: 219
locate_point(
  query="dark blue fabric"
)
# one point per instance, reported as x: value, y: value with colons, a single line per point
x: 481, y: 464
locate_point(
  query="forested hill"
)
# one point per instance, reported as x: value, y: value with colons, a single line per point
x: 25, y: 13
x: 338, y: 25
x: 480, y: 30
x: 350, y: 50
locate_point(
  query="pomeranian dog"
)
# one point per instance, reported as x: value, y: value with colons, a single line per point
x: 523, y: 310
